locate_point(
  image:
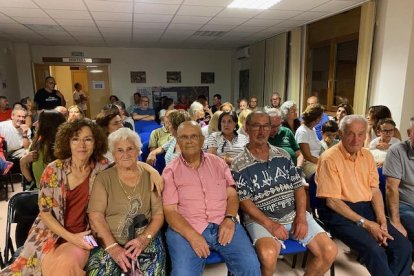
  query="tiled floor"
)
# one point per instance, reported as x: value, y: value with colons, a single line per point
x: 345, y: 263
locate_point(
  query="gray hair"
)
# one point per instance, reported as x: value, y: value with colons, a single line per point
x: 195, y: 106
x: 19, y: 108
x: 284, y: 109
x: 274, y: 112
x: 124, y: 134
x: 349, y: 119
x: 249, y: 117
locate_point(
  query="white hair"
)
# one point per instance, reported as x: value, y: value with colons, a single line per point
x: 123, y: 134
x: 274, y: 112
x: 349, y: 119
x: 195, y: 106
x: 284, y: 109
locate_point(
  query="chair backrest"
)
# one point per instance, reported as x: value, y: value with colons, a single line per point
x: 23, y: 210
x: 313, y: 200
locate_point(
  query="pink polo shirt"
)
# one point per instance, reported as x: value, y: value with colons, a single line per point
x: 200, y: 194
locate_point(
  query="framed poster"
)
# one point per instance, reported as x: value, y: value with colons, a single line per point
x: 173, y: 77
x: 207, y: 77
x: 138, y: 77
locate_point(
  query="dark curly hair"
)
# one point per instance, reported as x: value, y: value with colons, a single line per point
x: 312, y: 113
x: 70, y: 129
x: 233, y: 117
x: 379, y: 112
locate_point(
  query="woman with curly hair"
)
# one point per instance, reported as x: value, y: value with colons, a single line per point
x: 56, y: 244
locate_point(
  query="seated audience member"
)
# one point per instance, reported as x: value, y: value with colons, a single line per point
x: 63, y: 110
x: 305, y: 136
x: 200, y: 206
x: 183, y: 102
x: 16, y: 133
x: 5, y: 166
x: 171, y: 148
x: 75, y: 113
x: 385, y: 138
x: 5, y: 111
x: 273, y: 201
x: 242, y: 121
x: 197, y: 113
x: 243, y: 105
x: 126, y: 120
x: 275, y: 101
x: 347, y: 179
x: 113, y: 99
x: 329, y: 135
x: 376, y: 113
x: 207, y: 110
x: 31, y: 115
x: 40, y: 152
x: 253, y: 103
x: 343, y: 110
x: 48, y: 97
x: 290, y: 117
x: 283, y: 137
x: 80, y: 98
x: 318, y: 128
x: 168, y: 105
x: 126, y: 214
x: 56, y: 244
x: 226, y: 142
x: 162, y: 135
x: 399, y: 170
x: 144, y: 112
x: 213, y: 126
x: 216, y: 103
x: 136, y: 104
x: 226, y: 107
x: 110, y: 120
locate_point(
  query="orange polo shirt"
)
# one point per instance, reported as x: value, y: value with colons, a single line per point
x: 338, y: 176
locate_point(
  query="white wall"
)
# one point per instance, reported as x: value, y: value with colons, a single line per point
x: 391, y: 75
x: 156, y: 62
x: 8, y: 72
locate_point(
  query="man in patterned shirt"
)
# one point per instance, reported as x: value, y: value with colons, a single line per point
x: 273, y: 201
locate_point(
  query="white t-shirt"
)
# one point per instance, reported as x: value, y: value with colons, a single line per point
x: 12, y: 135
x: 305, y: 135
x: 77, y: 96
x: 374, y: 143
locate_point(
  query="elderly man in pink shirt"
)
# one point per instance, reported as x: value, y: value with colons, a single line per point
x: 200, y: 206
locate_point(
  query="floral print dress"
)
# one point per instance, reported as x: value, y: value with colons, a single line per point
x: 52, y: 198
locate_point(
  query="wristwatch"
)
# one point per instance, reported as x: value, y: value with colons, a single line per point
x: 232, y: 218
x: 361, y: 222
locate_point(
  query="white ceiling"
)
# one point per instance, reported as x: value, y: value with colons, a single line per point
x: 155, y: 23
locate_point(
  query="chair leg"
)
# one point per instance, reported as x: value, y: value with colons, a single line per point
x: 305, y: 259
x: 333, y: 269
x: 1, y: 261
x: 294, y: 259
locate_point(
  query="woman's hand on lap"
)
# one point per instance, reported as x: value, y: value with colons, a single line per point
x: 121, y: 257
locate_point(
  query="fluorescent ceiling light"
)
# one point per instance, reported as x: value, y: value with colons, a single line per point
x: 96, y: 71
x: 253, y: 4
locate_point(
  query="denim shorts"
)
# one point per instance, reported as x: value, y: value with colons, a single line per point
x: 257, y: 231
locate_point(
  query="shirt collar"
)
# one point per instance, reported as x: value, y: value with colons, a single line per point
x: 410, y: 150
x: 273, y: 151
x: 202, y: 158
x: 346, y: 154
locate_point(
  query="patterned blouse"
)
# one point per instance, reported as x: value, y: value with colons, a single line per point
x: 52, y: 198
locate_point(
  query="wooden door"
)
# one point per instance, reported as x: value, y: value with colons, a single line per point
x: 40, y: 72
x: 80, y: 75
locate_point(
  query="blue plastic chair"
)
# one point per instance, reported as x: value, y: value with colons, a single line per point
x: 145, y: 126
x: 295, y: 248
x: 383, y: 188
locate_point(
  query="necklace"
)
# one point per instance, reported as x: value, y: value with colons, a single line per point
x: 131, y: 195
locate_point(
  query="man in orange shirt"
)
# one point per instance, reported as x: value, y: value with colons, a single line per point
x: 347, y: 178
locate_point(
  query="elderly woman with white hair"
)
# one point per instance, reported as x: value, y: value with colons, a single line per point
x: 125, y: 214
x: 290, y: 118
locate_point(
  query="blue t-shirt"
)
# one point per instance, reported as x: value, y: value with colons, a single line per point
x: 318, y: 127
x: 148, y: 111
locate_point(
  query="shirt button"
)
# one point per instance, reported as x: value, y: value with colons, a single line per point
x: 206, y: 200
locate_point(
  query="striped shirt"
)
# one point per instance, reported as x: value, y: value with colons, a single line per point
x: 224, y: 146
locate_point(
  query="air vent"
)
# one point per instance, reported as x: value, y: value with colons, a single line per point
x: 209, y: 33
x: 43, y: 27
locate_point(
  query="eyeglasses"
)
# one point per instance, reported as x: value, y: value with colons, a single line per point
x: 193, y: 137
x: 51, y: 82
x: 256, y: 127
x: 117, y: 123
x: 129, y: 150
x: 87, y: 141
x: 385, y: 131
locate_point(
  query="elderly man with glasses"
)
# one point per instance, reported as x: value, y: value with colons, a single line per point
x: 200, y: 206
